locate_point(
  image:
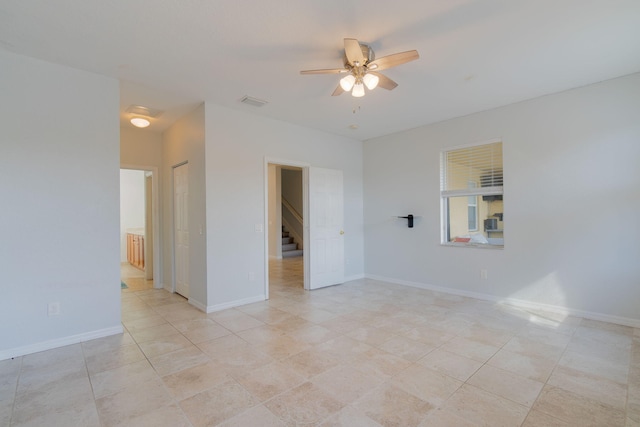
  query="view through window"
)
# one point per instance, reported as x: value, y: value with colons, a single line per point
x: 472, y: 197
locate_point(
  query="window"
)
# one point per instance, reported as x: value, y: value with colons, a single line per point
x: 472, y: 208
x: 471, y: 195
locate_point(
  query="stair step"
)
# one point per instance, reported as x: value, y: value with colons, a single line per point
x: 285, y: 234
x: 289, y: 247
x: 289, y: 254
x: 287, y: 240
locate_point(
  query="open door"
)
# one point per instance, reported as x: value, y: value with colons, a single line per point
x: 326, y: 228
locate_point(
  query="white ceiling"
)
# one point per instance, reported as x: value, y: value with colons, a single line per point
x: 475, y: 54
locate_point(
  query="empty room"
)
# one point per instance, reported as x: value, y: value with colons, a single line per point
x: 347, y: 213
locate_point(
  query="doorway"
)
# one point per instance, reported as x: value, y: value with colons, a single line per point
x: 139, y: 228
x: 286, y: 200
x: 322, y: 219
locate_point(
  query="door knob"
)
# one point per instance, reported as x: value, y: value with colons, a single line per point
x: 341, y: 232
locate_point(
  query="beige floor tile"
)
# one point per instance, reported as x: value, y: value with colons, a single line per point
x: 406, y: 348
x: 576, y: 409
x: 133, y: 402
x: 236, y: 357
x: 329, y: 344
x: 484, y: 408
x: 604, y: 368
x: 145, y: 322
x: 540, y: 419
x: 217, y: 404
x: 347, y: 383
x: 370, y: 335
x: 442, y: 418
x: 261, y: 335
x: 471, y: 349
x: 535, y: 367
x: 270, y: 380
x: 389, y: 405
x: 191, y: 381
x: 451, y: 364
x: 429, y: 336
x: 206, y: 333
x: 62, y: 397
x: 507, y: 385
x: 101, y: 345
x: 163, y: 345
x: 349, y: 417
x: 282, y: 347
x: 115, y: 358
x: 235, y: 320
x: 304, y: 405
x: 379, y: 362
x: 178, y: 360
x: 313, y: 334
x: 165, y: 416
x: 344, y: 348
x: 108, y: 382
x: 532, y: 347
x: 310, y: 363
x: 153, y: 333
x: 589, y: 385
x: 256, y: 416
x: 426, y: 384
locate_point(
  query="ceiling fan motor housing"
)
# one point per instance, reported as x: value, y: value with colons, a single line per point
x: 367, y: 52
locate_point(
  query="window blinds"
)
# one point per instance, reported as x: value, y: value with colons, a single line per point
x: 473, y: 170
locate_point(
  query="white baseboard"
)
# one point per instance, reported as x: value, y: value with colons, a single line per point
x: 236, y: 303
x: 59, y: 342
x: 198, y: 305
x: 531, y: 305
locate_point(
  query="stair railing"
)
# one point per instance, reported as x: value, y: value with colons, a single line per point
x: 293, y: 221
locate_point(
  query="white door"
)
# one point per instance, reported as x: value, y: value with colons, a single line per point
x: 326, y: 234
x: 181, y: 228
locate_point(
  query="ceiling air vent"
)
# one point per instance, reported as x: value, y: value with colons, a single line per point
x: 253, y: 101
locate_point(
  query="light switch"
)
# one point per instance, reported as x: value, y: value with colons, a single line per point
x: 259, y: 228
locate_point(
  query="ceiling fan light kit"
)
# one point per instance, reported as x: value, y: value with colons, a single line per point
x: 359, y: 63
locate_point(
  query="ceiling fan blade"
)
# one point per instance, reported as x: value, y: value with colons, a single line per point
x: 338, y: 91
x: 353, y: 51
x: 325, y: 71
x: 384, y: 82
x: 393, y: 60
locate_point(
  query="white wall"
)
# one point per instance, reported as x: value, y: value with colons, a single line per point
x: 184, y: 142
x: 59, y: 174
x: 236, y: 146
x: 140, y: 147
x: 132, y: 205
x: 572, y: 198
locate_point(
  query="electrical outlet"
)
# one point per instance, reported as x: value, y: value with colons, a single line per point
x: 252, y: 276
x: 53, y: 309
x: 483, y: 274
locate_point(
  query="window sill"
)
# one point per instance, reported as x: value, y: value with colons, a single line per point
x: 472, y: 245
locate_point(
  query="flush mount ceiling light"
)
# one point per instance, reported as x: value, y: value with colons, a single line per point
x: 140, y: 115
x: 140, y: 122
x: 360, y: 63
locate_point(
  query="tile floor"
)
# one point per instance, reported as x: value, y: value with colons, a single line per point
x: 366, y: 353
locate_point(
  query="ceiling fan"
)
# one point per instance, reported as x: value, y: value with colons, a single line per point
x: 361, y: 67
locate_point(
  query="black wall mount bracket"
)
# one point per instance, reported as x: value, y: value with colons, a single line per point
x: 409, y: 219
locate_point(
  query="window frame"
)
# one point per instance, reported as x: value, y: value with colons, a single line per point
x: 445, y: 195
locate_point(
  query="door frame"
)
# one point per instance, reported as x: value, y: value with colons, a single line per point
x: 173, y: 225
x: 155, y: 215
x: 305, y: 216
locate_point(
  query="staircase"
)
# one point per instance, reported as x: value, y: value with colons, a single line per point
x: 289, y: 247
